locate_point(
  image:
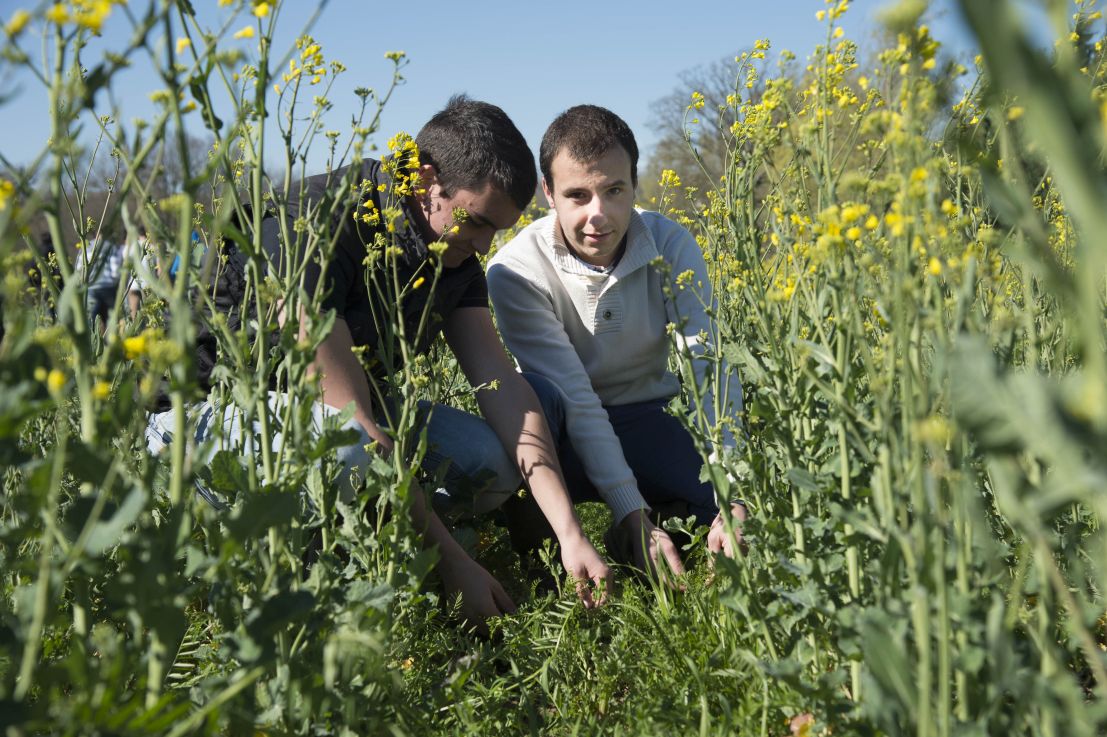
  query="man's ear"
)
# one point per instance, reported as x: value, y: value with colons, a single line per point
x: 428, y: 177
x: 546, y: 191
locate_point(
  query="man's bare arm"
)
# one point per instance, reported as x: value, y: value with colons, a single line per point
x: 515, y: 414
x: 343, y: 381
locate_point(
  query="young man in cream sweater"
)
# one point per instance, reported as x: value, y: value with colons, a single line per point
x: 584, y: 299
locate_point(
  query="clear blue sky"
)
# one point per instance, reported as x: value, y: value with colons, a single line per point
x: 532, y: 59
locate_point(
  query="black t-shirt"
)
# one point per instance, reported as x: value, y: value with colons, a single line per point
x: 362, y: 291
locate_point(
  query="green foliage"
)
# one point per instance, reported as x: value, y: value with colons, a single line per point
x: 914, y: 301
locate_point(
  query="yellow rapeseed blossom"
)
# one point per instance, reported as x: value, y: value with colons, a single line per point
x: 17, y: 23
x: 134, y: 346
x: 57, y: 13
x: 872, y: 223
x: 7, y: 191
x: 697, y: 100
x: 244, y: 32
x: 225, y: 3
x: 182, y: 44
x: 853, y: 233
x: 101, y: 390
x: 1015, y: 112
x: 261, y: 9
x: 41, y: 373
x: 669, y: 179
x: 55, y: 381
x: 934, y: 266
x: 91, y: 14
x: 418, y: 283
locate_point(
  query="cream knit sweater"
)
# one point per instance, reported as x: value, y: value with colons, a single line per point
x: 602, y: 338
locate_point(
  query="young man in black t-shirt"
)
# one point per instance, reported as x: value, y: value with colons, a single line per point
x: 475, y: 175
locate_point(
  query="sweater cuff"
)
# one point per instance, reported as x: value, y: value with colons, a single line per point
x: 624, y: 499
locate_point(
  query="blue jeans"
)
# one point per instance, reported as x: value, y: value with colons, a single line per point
x: 464, y: 453
x: 659, y: 451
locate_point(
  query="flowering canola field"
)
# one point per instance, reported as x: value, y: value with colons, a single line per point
x: 908, y: 263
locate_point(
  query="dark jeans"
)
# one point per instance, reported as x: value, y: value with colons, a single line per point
x: 659, y: 451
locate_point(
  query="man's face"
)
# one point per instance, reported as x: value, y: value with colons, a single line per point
x: 594, y: 200
x: 485, y: 212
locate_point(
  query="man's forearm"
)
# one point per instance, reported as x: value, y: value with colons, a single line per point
x: 533, y: 449
x: 343, y: 381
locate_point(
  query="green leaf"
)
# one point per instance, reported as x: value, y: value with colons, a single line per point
x: 256, y: 513
x: 107, y: 532
x: 226, y: 474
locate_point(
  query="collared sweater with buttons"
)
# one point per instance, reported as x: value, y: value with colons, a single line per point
x: 602, y: 338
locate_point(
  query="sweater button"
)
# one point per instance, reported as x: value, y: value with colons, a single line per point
x: 607, y: 314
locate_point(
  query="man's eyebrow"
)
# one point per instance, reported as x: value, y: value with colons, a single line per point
x: 481, y: 221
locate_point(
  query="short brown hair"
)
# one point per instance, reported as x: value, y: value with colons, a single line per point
x: 472, y: 143
x: 587, y: 132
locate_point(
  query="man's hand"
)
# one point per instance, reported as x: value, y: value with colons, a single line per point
x: 587, y: 569
x: 720, y: 542
x: 654, y: 550
x: 482, y: 596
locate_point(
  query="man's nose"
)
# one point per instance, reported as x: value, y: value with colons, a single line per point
x: 596, y: 210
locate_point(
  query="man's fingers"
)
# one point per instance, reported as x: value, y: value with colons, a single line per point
x: 584, y: 592
x: 673, y: 559
x: 604, y: 581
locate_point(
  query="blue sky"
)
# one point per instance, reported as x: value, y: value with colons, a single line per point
x: 532, y: 59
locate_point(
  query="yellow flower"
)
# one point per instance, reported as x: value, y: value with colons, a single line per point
x: 41, y: 374
x: 839, y: 32
x: 134, y: 346
x: 853, y: 233
x: 261, y: 10
x: 188, y: 107
x: 872, y: 222
x: 101, y: 390
x: 55, y: 381
x: 182, y: 44
x: 18, y: 22
x: 669, y: 179
x: 820, y: 15
x: 91, y: 14
x: 7, y: 191
x: 245, y: 32
x: 225, y: 3
x: 1015, y: 112
x: 697, y: 100
x: 918, y: 174
x: 418, y: 283
x: 934, y: 266
x: 57, y: 13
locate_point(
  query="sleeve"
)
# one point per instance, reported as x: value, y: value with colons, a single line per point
x: 537, y: 339
x: 476, y: 291
x: 343, y: 268
x: 690, y: 307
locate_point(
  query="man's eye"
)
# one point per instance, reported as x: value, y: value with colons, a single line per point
x: 615, y: 190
